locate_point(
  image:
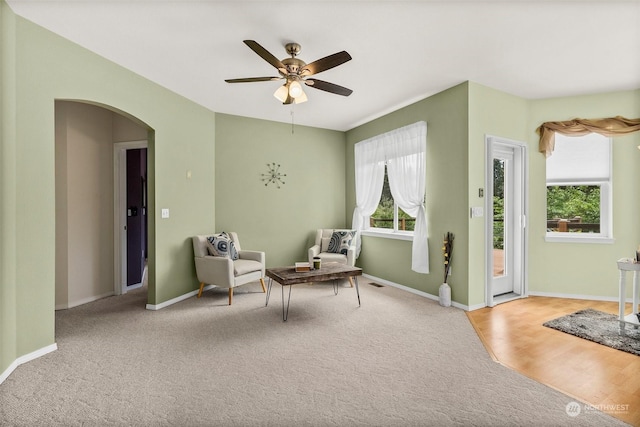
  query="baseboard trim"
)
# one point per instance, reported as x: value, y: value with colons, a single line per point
x: 413, y: 291
x: 175, y: 300
x: 27, y: 358
x: 482, y: 305
x: 476, y: 306
x: 575, y: 296
x: 84, y: 301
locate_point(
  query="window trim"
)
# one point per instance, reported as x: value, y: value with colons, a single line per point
x: 387, y: 233
x: 606, y: 209
x: 554, y: 237
x: 605, y: 217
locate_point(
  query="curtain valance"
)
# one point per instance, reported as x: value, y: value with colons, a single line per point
x: 578, y: 127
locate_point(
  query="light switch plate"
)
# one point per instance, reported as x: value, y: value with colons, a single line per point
x: 165, y: 213
x: 477, y: 211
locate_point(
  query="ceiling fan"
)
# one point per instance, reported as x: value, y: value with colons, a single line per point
x: 296, y: 72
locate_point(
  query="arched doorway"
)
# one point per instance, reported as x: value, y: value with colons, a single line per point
x: 86, y: 268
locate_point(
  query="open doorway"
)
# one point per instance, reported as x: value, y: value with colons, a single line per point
x: 506, y: 207
x: 85, y: 136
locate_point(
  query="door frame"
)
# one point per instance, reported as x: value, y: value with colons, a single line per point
x: 522, y: 185
x: 119, y: 212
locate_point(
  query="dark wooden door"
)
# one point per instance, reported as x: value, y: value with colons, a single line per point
x: 136, y: 214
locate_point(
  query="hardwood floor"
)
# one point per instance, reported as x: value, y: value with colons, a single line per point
x: 589, y: 372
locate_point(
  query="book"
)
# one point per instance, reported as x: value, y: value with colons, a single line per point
x: 302, y: 266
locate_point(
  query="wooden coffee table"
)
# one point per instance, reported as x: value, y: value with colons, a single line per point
x: 288, y: 276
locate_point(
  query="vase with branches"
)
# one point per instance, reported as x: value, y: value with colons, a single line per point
x: 447, y: 251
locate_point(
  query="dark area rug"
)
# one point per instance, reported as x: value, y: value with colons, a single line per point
x: 596, y: 326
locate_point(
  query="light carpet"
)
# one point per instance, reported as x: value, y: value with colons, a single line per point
x: 399, y: 360
x: 600, y: 327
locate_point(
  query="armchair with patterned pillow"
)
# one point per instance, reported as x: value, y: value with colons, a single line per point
x: 221, y: 262
x: 334, y: 245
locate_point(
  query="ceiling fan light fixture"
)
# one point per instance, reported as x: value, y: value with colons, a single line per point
x: 282, y: 93
x: 300, y: 99
x: 295, y: 89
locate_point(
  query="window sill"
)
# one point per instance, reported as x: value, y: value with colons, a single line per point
x: 387, y: 234
x: 555, y: 238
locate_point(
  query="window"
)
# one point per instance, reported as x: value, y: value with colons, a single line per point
x: 401, y: 155
x: 388, y: 215
x: 579, y: 189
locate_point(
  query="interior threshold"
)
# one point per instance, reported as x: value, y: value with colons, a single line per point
x: 509, y: 296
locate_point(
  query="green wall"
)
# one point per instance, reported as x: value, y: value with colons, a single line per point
x: 182, y: 138
x: 206, y: 168
x: 7, y: 189
x: 458, y: 121
x: 446, y: 114
x: 279, y: 221
x: 491, y: 113
x: 585, y: 269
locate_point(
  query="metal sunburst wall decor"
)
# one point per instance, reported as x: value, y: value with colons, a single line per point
x: 273, y: 175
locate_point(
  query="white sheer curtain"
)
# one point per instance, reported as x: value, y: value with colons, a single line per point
x: 369, y: 160
x: 404, y: 151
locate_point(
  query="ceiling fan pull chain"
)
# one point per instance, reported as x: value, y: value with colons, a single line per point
x: 291, y: 119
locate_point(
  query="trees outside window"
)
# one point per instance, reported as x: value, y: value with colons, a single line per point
x: 498, y: 204
x: 388, y: 215
x: 573, y: 208
x: 578, y: 187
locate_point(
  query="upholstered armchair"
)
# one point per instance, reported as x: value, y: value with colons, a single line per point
x: 221, y: 262
x: 334, y: 245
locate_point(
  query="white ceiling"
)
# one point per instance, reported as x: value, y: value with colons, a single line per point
x: 402, y: 51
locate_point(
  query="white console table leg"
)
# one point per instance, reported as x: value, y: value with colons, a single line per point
x: 622, y: 299
x: 636, y: 281
x: 625, y: 265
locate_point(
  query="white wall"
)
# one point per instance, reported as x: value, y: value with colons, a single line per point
x: 125, y: 130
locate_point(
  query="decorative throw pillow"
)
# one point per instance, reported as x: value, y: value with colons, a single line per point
x: 222, y: 245
x: 340, y: 241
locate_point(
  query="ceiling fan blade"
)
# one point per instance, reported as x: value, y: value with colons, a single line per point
x: 265, y: 54
x: 252, y: 79
x: 325, y: 63
x: 328, y: 87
